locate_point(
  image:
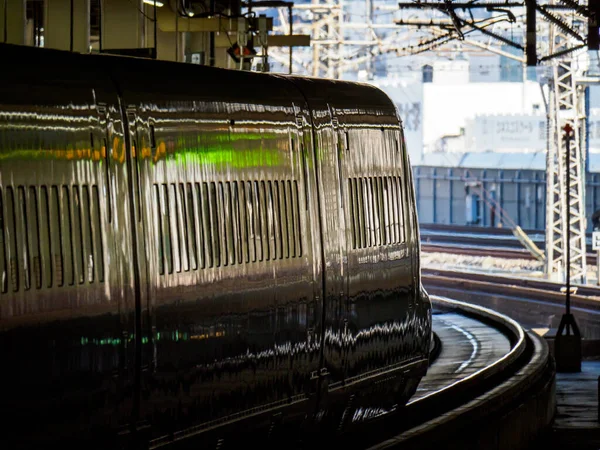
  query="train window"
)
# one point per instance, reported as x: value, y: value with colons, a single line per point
x: 3, y: 276
x: 378, y: 213
x: 45, y: 241
x: 360, y: 212
x: 152, y: 138
x: 389, y: 210
x: 399, y: 202
x: 258, y: 213
x: 379, y: 210
x: 245, y: 232
x: 220, y: 221
x: 264, y: 223
x: 284, y: 220
x: 174, y: 225
x: 136, y: 151
x: 297, y: 221
x: 250, y: 208
x: 352, y: 212
x: 166, y: 226
x: 277, y: 206
x: 195, y: 198
x: 158, y: 228
x: 67, y: 233
x: 368, y: 213
x: 97, y: 229
x: 214, y: 224
x: 107, y: 174
x: 290, y: 215
x: 223, y: 218
x: 231, y: 223
x: 375, y: 192
x: 347, y: 140
x: 206, y: 224
x: 23, y: 230
x: 235, y: 212
x: 183, y: 226
x: 384, y: 210
x: 191, y: 220
x: 272, y: 221
x: 56, y: 231
x: 77, y: 236
x: 12, y: 238
x: 88, y: 240
x: 34, y: 236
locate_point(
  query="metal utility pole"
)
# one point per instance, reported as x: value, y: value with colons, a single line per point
x: 567, y: 343
x: 565, y: 206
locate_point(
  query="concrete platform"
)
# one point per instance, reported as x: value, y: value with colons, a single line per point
x: 576, y: 424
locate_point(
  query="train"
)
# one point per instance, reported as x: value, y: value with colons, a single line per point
x: 192, y: 255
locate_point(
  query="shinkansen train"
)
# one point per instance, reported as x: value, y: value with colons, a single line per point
x: 200, y: 255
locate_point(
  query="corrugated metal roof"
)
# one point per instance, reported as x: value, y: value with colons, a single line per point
x: 496, y: 160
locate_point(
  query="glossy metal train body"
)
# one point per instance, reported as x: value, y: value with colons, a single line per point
x: 190, y: 253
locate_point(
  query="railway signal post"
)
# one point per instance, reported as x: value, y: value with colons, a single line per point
x: 567, y: 344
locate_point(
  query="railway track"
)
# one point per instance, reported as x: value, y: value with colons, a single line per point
x: 483, y: 241
x: 501, y: 366
x: 534, y: 303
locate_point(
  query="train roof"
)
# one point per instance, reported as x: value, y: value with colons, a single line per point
x: 141, y: 76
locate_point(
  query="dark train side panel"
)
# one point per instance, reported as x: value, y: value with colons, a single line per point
x: 67, y: 304
x: 371, y: 277
x: 234, y: 249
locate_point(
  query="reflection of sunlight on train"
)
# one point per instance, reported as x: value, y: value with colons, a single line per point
x: 186, y: 249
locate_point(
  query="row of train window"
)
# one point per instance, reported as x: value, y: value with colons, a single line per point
x: 50, y: 236
x: 217, y: 224
x: 375, y: 211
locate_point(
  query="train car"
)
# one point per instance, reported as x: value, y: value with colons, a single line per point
x: 193, y: 255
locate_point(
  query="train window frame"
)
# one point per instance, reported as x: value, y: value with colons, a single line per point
x: 401, y: 208
x: 222, y: 224
x: 99, y: 241
x: 228, y: 225
x: 12, y: 238
x: 290, y: 216
x: 257, y: 221
x: 204, y: 208
x: 284, y: 219
x: 191, y: 221
x: 360, y: 194
x: 237, y: 226
x: 352, y: 213
x: 206, y: 230
x: 77, y: 236
x: 67, y: 236
x: 165, y: 211
x: 264, y: 221
x: 183, y: 225
x: 214, y: 224
x: 174, y: 223
x: 21, y: 234
x: 3, y: 251
x: 158, y: 228
x: 87, y: 233
x: 245, y: 231
x: 271, y: 220
x: 45, y: 236
x: 34, y: 235
x: 278, y: 229
x: 297, y: 220
x: 56, y: 231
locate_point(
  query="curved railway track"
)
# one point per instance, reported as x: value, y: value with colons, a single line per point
x: 486, y: 365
